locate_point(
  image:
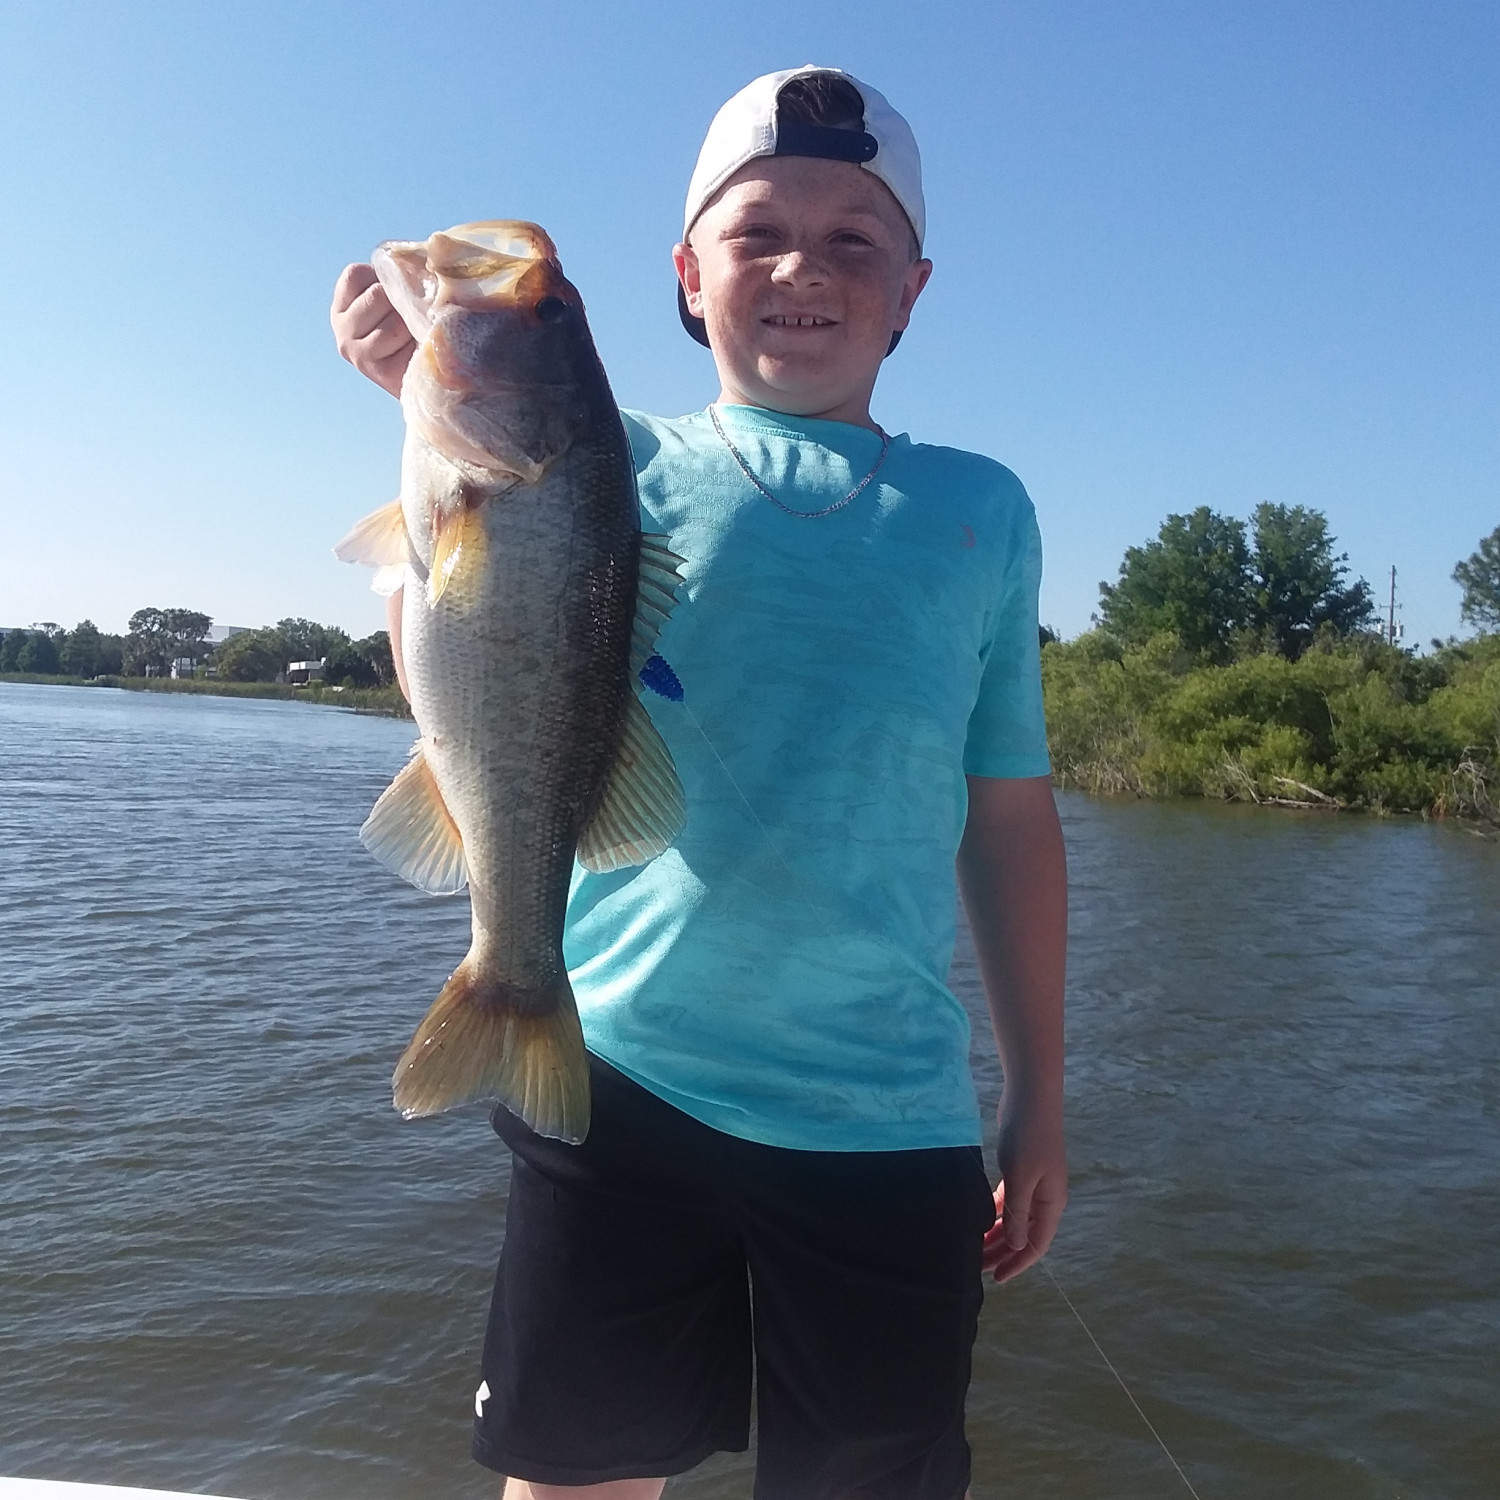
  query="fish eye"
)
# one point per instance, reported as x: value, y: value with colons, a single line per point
x: 550, y: 309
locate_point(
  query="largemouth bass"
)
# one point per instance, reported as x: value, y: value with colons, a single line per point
x: 531, y: 601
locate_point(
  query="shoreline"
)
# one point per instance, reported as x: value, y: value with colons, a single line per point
x: 382, y: 702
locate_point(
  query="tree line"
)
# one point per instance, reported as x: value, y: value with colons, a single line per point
x: 1241, y: 661
x: 156, y: 638
x: 1227, y: 591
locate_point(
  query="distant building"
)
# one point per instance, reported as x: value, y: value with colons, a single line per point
x: 306, y: 671
x: 221, y: 633
x: 183, y: 666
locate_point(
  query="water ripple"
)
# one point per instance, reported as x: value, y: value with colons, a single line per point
x: 226, y: 1265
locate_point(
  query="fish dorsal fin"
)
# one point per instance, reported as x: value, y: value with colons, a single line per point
x: 379, y: 539
x: 411, y: 831
x: 656, y: 593
x: 643, y: 809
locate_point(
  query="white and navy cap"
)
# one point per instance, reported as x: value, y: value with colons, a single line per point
x: 747, y: 127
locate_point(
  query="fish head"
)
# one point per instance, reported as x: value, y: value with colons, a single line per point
x: 505, y: 375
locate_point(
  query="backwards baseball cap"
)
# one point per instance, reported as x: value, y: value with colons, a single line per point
x: 748, y: 127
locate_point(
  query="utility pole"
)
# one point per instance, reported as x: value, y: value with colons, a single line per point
x: 1393, y: 633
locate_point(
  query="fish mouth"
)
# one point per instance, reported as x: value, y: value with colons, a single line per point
x: 496, y: 263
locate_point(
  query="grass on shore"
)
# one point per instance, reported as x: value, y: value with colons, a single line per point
x: 387, y: 701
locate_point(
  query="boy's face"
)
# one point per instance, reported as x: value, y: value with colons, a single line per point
x: 802, y: 269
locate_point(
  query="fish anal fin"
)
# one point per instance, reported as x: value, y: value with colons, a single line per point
x: 411, y: 831
x: 459, y: 537
x: 379, y: 539
x: 642, y: 810
x: 489, y: 1039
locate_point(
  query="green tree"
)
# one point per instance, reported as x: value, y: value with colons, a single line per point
x: 365, y: 664
x: 82, y: 650
x: 1479, y: 577
x: 306, y: 640
x: 1194, y: 580
x: 111, y: 655
x: 348, y: 666
x: 38, y: 653
x: 158, y: 637
x: 10, y: 649
x: 1298, y: 584
x: 376, y: 649
x: 251, y: 656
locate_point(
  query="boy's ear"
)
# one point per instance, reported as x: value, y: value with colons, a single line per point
x: 917, y: 275
x: 685, y: 259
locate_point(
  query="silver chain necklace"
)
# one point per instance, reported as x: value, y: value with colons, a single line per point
x: 805, y: 515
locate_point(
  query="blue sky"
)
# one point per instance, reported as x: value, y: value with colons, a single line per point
x: 1186, y: 254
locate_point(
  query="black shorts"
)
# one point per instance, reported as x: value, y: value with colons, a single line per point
x: 647, y: 1273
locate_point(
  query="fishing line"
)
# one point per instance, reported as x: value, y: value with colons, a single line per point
x: 692, y: 718
x: 749, y: 806
x: 1109, y: 1365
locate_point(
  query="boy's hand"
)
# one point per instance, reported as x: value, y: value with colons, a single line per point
x: 368, y: 330
x: 1032, y: 1193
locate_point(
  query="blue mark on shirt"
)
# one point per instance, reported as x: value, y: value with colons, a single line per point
x: 661, y: 679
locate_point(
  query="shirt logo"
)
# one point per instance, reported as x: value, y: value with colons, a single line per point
x: 969, y: 537
x: 480, y: 1397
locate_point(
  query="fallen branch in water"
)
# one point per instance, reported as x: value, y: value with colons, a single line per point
x: 1319, y: 799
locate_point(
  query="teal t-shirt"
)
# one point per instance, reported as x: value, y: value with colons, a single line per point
x: 781, y: 972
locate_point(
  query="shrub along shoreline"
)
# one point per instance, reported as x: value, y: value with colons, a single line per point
x: 386, y: 701
x: 1352, y: 723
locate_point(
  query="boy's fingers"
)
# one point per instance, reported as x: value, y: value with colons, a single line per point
x: 1021, y: 1236
x: 367, y: 314
x: 1016, y: 1262
x: 352, y: 281
x: 371, y: 306
x: 1016, y: 1219
x: 384, y: 339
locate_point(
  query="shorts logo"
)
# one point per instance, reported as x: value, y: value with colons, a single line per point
x: 969, y: 537
x: 480, y: 1397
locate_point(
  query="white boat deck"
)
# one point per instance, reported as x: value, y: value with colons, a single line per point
x: 61, y: 1489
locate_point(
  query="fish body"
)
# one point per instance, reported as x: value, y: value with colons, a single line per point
x: 530, y: 602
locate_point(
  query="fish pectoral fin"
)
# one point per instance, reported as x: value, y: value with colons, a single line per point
x: 484, y: 1037
x: 643, y: 809
x: 411, y: 831
x: 459, y: 536
x: 656, y: 594
x: 380, y: 539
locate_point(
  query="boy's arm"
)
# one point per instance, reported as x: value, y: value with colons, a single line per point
x: 1012, y: 872
x: 368, y: 330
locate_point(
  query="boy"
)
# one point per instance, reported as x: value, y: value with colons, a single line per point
x: 782, y: 1102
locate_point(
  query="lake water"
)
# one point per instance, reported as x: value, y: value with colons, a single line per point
x: 226, y: 1265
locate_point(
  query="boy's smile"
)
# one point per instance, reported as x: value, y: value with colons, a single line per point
x: 802, y: 269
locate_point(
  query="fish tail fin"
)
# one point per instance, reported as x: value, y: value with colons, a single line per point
x: 487, y: 1038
